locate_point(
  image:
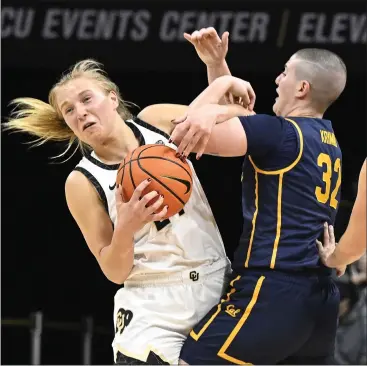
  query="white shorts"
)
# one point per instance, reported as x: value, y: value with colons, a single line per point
x: 152, y: 318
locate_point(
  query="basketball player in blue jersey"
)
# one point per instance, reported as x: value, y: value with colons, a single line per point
x: 281, y: 305
x: 173, y: 271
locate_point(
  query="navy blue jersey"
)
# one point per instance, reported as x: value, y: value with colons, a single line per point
x: 290, y: 187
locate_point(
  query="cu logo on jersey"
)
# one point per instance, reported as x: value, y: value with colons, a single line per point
x: 123, y: 319
x: 160, y: 142
x: 194, y: 276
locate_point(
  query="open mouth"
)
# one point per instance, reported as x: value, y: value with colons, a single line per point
x: 87, y: 125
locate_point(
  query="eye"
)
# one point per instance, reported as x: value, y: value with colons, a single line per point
x: 284, y: 74
x: 68, y: 110
x: 86, y: 99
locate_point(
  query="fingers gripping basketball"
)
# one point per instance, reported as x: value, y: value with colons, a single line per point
x: 170, y: 176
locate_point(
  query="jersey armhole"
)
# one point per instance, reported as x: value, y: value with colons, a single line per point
x: 291, y: 165
x: 96, y: 185
x: 150, y: 127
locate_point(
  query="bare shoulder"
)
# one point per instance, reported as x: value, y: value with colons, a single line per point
x: 79, y: 191
x: 75, y: 182
x: 161, y: 115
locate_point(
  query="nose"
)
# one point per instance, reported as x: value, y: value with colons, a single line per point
x: 81, y: 112
x: 277, y: 79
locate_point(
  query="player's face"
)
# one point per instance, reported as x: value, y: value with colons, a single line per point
x: 87, y: 109
x: 287, y: 87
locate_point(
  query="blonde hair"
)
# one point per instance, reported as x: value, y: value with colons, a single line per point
x: 45, y: 121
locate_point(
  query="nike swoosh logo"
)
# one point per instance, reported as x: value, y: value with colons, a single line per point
x: 112, y: 187
x: 183, y: 181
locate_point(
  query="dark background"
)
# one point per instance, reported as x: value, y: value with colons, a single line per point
x: 45, y: 263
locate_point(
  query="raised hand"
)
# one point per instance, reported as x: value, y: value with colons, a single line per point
x: 211, y: 49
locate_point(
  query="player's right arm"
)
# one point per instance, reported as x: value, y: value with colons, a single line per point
x: 112, y: 247
x: 209, y: 131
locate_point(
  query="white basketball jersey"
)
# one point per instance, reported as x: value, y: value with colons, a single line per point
x: 187, y: 240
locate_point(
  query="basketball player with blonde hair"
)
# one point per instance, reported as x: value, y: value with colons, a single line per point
x: 173, y: 270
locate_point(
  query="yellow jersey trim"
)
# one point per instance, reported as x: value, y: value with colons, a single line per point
x: 196, y: 336
x: 281, y: 173
x: 292, y: 165
x: 222, y: 352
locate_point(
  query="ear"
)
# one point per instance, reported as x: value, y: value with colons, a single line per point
x: 303, y: 88
x: 114, y: 99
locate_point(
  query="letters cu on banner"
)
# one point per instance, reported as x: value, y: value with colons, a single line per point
x: 267, y: 30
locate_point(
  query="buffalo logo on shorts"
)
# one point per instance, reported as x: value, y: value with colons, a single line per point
x: 194, y: 276
x: 123, y: 319
x: 160, y: 142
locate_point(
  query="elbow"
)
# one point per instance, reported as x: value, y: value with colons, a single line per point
x: 116, y: 280
x: 118, y: 276
x: 117, y: 271
x: 116, y: 263
x: 362, y: 249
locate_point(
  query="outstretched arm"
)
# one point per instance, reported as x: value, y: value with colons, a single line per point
x: 161, y: 115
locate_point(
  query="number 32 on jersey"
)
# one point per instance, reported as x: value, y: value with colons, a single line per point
x: 323, y: 194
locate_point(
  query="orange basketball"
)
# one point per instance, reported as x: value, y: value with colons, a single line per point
x: 170, y: 176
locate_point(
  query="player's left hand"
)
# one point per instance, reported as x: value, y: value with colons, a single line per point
x: 211, y: 49
x: 194, y: 130
x: 326, y: 249
x: 328, y: 246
